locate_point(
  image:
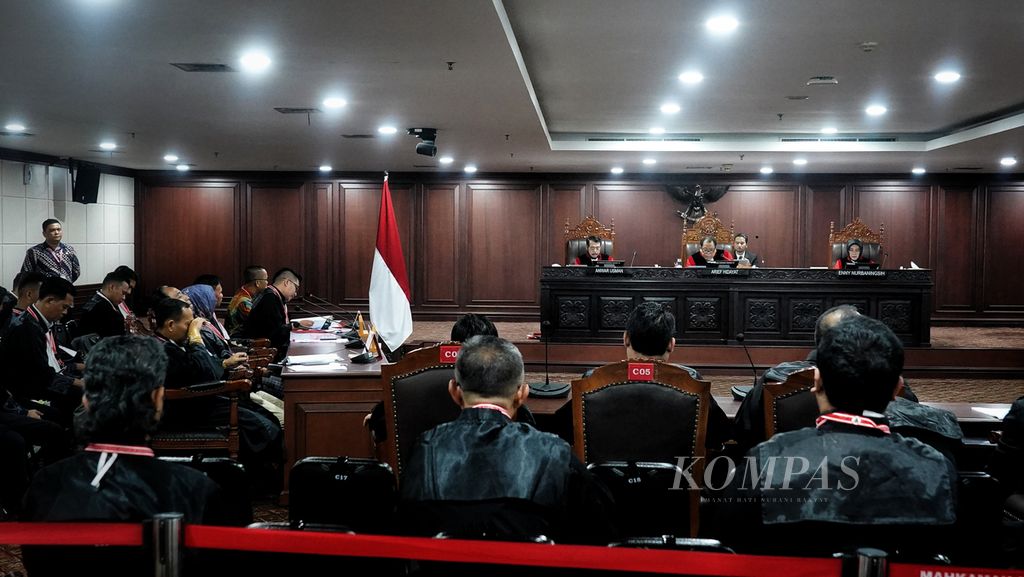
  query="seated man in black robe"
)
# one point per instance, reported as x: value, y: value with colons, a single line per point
x: 849, y: 481
x: 33, y: 372
x: 189, y: 363
x: 593, y: 253
x: 268, y: 318
x: 485, y: 475
x: 117, y: 478
x: 101, y: 314
x: 648, y: 336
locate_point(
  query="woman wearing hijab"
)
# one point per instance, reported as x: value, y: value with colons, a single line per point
x: 215, y: 336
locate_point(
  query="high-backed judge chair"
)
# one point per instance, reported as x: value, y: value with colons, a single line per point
x: 790, y: 405
x: 576, y: 237
x: 871, y: 242
x: 416, y: 397
x: 707, y: 225
x: 643, y: 411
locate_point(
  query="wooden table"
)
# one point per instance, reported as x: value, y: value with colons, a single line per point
x: 770, y: 306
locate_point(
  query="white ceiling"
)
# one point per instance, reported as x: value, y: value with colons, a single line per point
x: 533, y: 83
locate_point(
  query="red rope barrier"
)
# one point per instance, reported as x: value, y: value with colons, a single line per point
x: 523, y: 554
x: 112, y: 534
x: 908, y: 570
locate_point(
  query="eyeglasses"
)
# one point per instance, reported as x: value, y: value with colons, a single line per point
x: 293, y: 282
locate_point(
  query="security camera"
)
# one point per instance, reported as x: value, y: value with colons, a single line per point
x: 426, y: 148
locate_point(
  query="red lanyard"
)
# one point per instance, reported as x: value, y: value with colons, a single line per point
x: 49, y: 335
x: 855, y: 420
x: 492, y: 407
x: 120, y: 449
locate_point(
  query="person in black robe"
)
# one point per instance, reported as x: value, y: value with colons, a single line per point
x: 32, y: 370
x: 189, y: 363
x: 850, y: 481
x: 593, y: 253
x: 101, y: 314
x: 708, y: 253
x: 116, y: 478
x: 648, y: 335
x: 268, y: 318
x: 485, y: 475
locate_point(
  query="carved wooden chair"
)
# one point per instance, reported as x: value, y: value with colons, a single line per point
x: 416, y: 397
x: 790, y: 405
x: 576, y: 238
x: 871, y: 242
x: 707, y: 225
x: 644, y: 411
x: 201, y: 440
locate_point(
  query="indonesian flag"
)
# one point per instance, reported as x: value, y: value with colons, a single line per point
x: 389, y: 285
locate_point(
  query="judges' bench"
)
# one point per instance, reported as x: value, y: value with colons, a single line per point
x: 769, y: 306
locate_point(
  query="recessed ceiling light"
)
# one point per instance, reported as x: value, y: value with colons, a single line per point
x: 918, y: 170
x: 335, y: 102
x: 721, y: 24
x: 15, y: 127
x: 182, y: 167
x: 470, y: 168
x: 254, y: 61
x: 947, y: 77
x: 657, y: 130
x: 1008, y: 161
x: 171, y: 157
x: 876, y: 110
x: 446, y: 160
x: 108, y: 145
x: 766, y: 170
x: 800, y: 161
x: 617, y: 170
x: 650, y: 161
x: 829, y: 130
x: 670, y: 108
x: 326, y: 168
x: 691, y: 77
x: 387, y: 130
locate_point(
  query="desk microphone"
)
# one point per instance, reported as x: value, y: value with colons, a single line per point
x: 753, y: 369
x: 884, y: 256
x: 632, y: 260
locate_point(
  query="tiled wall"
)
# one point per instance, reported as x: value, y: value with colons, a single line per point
x: 103, y: 234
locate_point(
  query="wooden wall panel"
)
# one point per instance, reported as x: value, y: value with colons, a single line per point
x: 440, y: 249
x: 1002, y: 250
x: 823, y: 205
x: 504, y: 235
x: 320, y: 264
x: 955, y: 242
x: 769, y: 215
x: 905, y: 210
x: 565, y: 202
x: 188, y: 230
x: 645, y: 221
x: 360, y: 213
x: 277, y: 229
x: 459, y: 236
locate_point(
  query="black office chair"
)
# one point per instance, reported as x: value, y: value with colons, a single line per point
x: 342, y: 493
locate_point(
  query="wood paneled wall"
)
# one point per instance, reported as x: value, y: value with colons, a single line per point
x: 477, y: 245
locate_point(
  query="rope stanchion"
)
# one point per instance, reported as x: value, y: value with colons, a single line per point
x: 521, y: 554
x: 110, y: 534
x: 913, y: 570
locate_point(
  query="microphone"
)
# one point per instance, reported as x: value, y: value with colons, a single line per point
x: 884, y: 256
x: 546, y: 389
x: 632, y: 260
x: 753, y: 369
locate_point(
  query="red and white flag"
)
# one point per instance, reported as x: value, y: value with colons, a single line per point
x: 390, y: 310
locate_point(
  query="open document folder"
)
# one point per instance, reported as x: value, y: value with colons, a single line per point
x: 323, y: 359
